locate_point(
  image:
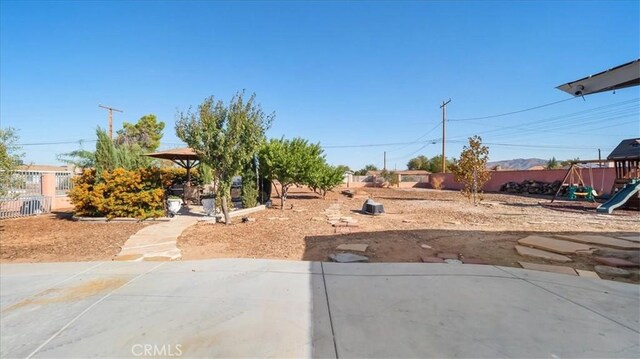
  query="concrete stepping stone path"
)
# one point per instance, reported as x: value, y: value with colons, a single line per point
x: 548, y: 268
x: 348, y: 258
x: 612, y: 271
x: 553, y: 245
x: 631, y: 238
x: 539, y: 253
x: 157, y: 242
x: 601, y: 240
x: 587, y: 274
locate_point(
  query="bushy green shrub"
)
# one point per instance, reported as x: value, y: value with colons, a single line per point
x: 123, y: 193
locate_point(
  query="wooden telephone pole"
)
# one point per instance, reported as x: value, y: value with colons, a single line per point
x: 111, y: 109
x: 444, y: 123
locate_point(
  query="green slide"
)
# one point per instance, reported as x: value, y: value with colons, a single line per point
x: 620, y: 198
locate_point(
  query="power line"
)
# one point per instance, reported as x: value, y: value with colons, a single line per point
x: 512, y: 112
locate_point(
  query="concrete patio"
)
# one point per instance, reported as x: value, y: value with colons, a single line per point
x: 265, y: 308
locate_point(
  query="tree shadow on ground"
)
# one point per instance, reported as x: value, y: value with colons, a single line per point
x: 492, y: 247
x: 64, y: 215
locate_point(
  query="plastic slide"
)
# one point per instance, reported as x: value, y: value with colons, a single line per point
x: 620, y: 198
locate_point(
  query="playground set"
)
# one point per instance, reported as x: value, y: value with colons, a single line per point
x: 625, y: 192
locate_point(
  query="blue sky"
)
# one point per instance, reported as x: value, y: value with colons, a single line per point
x: 338, y: 73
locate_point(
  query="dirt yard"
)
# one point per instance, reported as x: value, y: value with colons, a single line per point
x: 442, y: 220
x: 56, y: 238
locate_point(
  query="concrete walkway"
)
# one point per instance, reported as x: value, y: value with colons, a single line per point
x: 264, y: 308
x: 158, y: 242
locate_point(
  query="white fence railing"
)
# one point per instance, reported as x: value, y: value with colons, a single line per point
x: 24, y: 206
x: 63, y: 183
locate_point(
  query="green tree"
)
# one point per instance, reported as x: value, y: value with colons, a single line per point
x: 290, y: 162
x: 343, y: 168
x: 109, y: 155
x: 9, y: 158
x: 367, y: 168
x: 390, y: 178
x: 471, y: 169
x: 225, y: 137
x: 435, y: 164
x: 146, y: 133
x: 552, y: 163
x: 325, y: 179
x: 419, y: 163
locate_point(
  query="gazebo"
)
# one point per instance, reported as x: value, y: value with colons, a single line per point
x: 184, y: 157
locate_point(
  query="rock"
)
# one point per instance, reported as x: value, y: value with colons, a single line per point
x: 248, y: 219
x: 353, y: 247
x: 348, y: 258
x: 612, y: 271
x: 452, y: 222
x: 453, y: 261
x: 426, y: 246
x: 319, y: 219
x: 408, y: 221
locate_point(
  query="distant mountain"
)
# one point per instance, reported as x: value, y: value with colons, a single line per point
x: 518, y: 163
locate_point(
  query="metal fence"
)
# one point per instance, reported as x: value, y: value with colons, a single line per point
x: 25, y: 183
x: 63, y: 183
x: 24, y: 206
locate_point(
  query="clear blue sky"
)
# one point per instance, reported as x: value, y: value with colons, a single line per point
x: 339, y: 73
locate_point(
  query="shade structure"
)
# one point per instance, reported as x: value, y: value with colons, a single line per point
x: 625, y: 75
x: 184, y: 157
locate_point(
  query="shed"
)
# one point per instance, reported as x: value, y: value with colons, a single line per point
x: 626, y: 159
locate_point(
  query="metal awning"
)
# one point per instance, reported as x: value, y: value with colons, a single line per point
x: 184, y: 157
x: 625, y: 75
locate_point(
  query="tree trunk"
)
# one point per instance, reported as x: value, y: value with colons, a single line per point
x: 283, y: 197
x: 225, y: 211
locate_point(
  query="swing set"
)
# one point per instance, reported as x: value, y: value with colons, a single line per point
x: 575, y: 185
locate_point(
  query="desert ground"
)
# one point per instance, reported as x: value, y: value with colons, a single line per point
x: 417, y: 223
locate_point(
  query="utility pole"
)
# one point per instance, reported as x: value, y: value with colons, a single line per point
x: 599, y: 158
x: 384, y: 167
x: 111, y: 109
x: 444, y: 122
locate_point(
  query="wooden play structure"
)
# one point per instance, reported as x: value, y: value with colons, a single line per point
x: 625, y: 191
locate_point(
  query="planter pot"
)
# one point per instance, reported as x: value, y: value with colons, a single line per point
x: 208, y: 206
x: 174, y: 205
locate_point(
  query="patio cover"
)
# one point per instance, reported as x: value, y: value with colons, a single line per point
x: 184, y: 157
x: 625, y: 75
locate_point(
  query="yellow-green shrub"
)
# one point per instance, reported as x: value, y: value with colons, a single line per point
x: 122, y: 193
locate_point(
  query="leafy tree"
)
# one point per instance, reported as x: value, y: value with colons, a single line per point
x: 343, y: 168
x: 419, y: 163
x: 225, y: 137
x: 367, y: 168
x: 325, y: 179
x: 109, y: 155
x: 435, y: 164
x: 79, y: 158
x: 290, y: 162
x: 471, y: 169
x: 552, y: 163
x: 390, y: 178
x: 145, y: 133
x: 9, y: 159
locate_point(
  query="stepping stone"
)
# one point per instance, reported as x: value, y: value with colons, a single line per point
x: 612, y: 271
x: 353, y: 247
x: 539, y: 253
x: 453, y: 261
x: 601, y: 240
x: 587, y: 274
x: 448, y: 255
x: 553, y: 245
x: 548, y: 268
x: 614, y: 262
x: 473, y: 261
x: 348, y: 258
x: 631, y: 238
x: 427, y: 259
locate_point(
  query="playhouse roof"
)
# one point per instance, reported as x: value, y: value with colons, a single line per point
x: 628, y: 149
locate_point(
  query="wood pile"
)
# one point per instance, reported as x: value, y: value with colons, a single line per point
x: 531, y: 187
